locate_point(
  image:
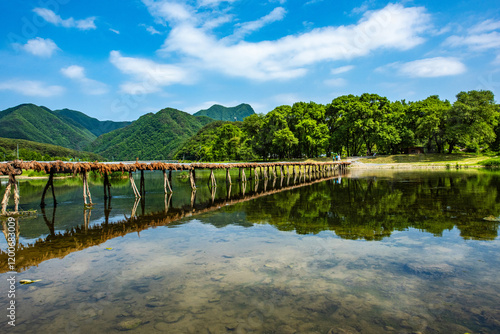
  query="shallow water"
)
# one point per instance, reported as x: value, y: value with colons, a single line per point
x: 370, y: 252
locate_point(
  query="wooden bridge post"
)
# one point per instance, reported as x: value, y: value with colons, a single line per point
x: 12, y: 184
x: 243, y: 176
x: 143, y: 188
x: 191, y: 178
x: 134, y: 187
x: 107, y: 186
x: 86, y: 190
x: 228, y: 176
x: 256, y: 174
x: 212, y: 178
x: 166, y: 183
x: 50, y: 183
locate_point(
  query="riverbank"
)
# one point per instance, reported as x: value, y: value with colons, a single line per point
x: 416, y: 161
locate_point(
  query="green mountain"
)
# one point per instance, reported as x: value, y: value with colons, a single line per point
x: 40, y: 124
x: 151, y: 137
x: 94, y: 125
x: 222, y: 113
x: 29, y: 150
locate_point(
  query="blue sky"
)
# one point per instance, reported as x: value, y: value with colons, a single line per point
x: 121, y: 59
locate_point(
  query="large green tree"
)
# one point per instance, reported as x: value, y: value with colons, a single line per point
x: 472, y: 120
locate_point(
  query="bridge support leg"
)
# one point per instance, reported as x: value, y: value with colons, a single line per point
x: 212, y: 179
x: 86, y: 190
x: 134, y: 187
x: 107, y: 186
x: 228, y: 177
x: 143, y: 187
x: 6, y: 196
x: 243, y: 176
x: 50, y: 183
x: 191, y: 179
x: 166, y: 183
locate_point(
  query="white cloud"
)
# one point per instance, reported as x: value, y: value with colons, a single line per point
x: 39, y: 47
x: 342, y: 69
x: 31, y: 88
x: 169, y: 11
x: 480, y: 37
x: 338, y: 82
x: 115, y: 31
x: 51, y: 17
x: 152, y: 30
x: 393, y: 27
x: 148, y: 76
x: 479, y: 42
x: 213, y: 3
x: 485, y: 26
x: 246, y: 28
x: 431, y: 67
x: 89, y: 86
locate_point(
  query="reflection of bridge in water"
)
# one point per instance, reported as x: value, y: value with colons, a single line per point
x: 296, y: 170
x: 58, y: 245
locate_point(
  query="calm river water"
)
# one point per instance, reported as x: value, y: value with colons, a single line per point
x: 368, y: 252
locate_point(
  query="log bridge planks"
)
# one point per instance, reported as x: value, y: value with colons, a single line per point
x: 266, y: 170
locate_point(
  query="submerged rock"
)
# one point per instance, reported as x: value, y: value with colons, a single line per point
x: 173, y: 317
x: 128, y: 324
x: 162, y: 326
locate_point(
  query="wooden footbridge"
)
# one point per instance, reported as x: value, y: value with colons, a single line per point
x: 58, y: 245
x: 296, y: 170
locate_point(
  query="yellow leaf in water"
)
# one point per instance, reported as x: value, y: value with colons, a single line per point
x: 29, y: 281
x: 109, y: 248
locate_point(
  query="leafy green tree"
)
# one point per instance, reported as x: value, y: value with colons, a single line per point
x: 431, y: 121
x: 285, y: 141
x: 472, y: 119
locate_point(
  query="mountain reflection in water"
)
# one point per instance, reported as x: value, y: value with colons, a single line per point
x: 369, y: 208
x: 369, y: 252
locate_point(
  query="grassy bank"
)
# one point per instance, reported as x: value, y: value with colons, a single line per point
x: 420, y: 160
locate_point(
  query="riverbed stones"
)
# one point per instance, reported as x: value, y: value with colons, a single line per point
x: 128, y: 324
x: 162, y: 326
x: 172, y: 317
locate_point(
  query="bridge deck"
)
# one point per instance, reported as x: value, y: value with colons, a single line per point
x: 266, y: 170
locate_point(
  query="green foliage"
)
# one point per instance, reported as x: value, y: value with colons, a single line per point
x: 493, y: 162
x: 94, y: 125
x: 29, y: 151
x: 151, y: 137
x: 472, y: 120
x: 231, y: 114
x: 40, y: 124
x: 355, y: 125
x: 217, y: 141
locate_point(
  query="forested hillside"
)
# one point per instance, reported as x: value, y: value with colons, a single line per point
x: 29, y: 150
x: 40, y: 124
x: 94, y: 125
x: 151, y: 137
x: 355, y: 125
x: 231, y: 114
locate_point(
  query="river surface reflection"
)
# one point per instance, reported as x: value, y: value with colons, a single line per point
x: 368, y: 252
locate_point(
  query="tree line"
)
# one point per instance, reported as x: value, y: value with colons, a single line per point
x: 353, y: 125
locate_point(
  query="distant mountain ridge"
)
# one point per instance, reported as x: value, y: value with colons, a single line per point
x: 40, y: 124
x: 94, y: 125
x: 152, y: 136
x: 221, y: 113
